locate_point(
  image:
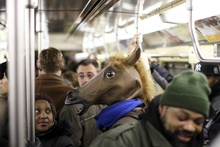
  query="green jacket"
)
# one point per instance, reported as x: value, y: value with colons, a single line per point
x: 84, y: 126
x: 147, y: 132
x: 141, y: 134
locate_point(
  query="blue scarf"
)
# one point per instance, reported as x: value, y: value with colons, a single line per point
x: 109, y: 115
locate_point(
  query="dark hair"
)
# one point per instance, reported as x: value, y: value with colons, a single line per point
x: 3, y: 70
x: 43, y: 96
x: 86, y: 62
x: 72, y: 77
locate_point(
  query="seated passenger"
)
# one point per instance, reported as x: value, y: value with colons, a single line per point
x: 49, y: 132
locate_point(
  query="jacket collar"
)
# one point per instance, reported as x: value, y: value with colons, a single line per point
x: 49, y: 76
x: 152, y: 116
x: 48, y: 131
x: 156, y: 138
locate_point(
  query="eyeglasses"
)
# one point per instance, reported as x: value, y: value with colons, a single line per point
x: 89, y: 75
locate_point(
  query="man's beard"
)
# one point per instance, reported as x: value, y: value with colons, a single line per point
x: 172, y: 135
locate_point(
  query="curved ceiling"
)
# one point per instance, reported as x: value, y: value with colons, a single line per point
x: 69, y: 22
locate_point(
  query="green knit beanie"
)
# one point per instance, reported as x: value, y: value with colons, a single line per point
x: 188, y: 90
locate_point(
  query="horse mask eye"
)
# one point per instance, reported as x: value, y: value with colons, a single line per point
x: 110, y: 74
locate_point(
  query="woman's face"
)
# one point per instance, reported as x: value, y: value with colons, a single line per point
x: 43, y: 115
x: 4, y: 86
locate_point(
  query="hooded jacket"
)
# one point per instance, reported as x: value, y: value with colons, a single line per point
x: 147, y: 132
x: 57, y: 135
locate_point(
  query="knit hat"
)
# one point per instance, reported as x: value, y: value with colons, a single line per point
x: 207, y: 69
x: 188, y: 90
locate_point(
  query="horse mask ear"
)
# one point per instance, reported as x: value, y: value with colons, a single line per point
x: 133, y: 58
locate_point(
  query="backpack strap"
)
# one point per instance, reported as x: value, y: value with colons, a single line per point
x: 208, y: 125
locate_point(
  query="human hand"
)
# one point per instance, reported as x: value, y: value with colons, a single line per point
x: 136, y: 40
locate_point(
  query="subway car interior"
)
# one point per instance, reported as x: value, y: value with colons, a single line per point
x: 101, y: 27
x: 176, y: 33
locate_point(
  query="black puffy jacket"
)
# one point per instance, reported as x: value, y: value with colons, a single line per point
x: 57, y: 136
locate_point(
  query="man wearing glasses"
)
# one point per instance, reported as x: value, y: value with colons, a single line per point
x: 84, y: 131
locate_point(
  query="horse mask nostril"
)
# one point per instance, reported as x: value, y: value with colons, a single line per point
x: 71, y: 94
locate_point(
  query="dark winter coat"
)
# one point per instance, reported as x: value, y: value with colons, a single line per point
x: 57, y: 136
x: 214, y: 98
x: 84, y: 126
x: 146, y: 133
x: 160, y: 74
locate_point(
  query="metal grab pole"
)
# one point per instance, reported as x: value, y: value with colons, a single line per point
x: 30, y: 71
x: 116, y: 25
x: 16, y: 40
x: 191, y: 25
x: 42, y: 30
x: 139, y: 8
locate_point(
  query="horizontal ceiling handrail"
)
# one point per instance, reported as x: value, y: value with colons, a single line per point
x: 191, y: 25
x: 94, y: 10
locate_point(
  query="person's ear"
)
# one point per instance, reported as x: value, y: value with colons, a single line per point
x: 39, y: 65
x: 62, y: 66
x: 160, y: 109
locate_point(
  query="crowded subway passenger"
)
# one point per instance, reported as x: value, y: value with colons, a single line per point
x: 158, y: 83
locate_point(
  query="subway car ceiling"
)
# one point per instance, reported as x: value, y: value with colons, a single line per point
x: 105, y: 26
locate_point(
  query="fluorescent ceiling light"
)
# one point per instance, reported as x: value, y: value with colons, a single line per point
x: 81, y: 56
x: 149, y: 25
x: 201, y: 9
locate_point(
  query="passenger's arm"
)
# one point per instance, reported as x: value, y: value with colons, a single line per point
x: 133, y: 45
x: 163, y: 72
x: 160, y: 80
x: 159, y: 73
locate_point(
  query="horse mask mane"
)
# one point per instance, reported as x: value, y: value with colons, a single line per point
x: 122, y: 78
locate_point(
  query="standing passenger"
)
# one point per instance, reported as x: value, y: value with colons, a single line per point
x: 212, y: 72
x: 173, y: 120
x: 49, y: 132
x: 160, y: 74
x: 50, y: 82
x: 85, y: 130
